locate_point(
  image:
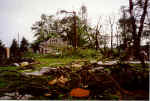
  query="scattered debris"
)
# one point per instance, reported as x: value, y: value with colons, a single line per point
x: 47, y: 94
x: 35, y: 73
x: 76, y: 66
x: 52, y: 82
x: 92, y: 80
x: 23, y: 64
x: 41, y: 72
x: 61, y: 80
x: 26, y: 97
x: 10, y: 94
x: 5, y: 98
x: 96, y: 69
x: 93, y: 61
x: 16, y: 64
x: 99, y: 62
x: 15, y: 95
x: 27, y: 70
x: 79, y: 92
x: 47, y: 69
x: 109, y: 63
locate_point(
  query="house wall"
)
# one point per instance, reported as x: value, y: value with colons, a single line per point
x: 47, y: 46
x: 56, y: 42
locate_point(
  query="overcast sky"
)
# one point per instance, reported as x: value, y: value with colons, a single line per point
x: 19, y: 15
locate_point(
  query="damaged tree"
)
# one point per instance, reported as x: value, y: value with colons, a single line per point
x: 142, y: 6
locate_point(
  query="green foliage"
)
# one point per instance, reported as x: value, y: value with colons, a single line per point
x: 45, y: 28
x: 9, y: 68
x: 2, y: 84
x: 51, y: 26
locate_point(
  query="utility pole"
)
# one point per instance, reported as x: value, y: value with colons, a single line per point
x: 18, y: 38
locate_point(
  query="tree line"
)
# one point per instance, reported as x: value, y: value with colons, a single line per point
x: 16, y: 50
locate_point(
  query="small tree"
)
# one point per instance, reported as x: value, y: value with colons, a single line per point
x: 24, y: 45
x: 35, y: 46
x: 14, y: 49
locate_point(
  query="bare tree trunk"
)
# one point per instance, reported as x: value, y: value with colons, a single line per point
x: 137, y: 36
x: 75, y: 31
x: 141, y: 30
x: 96, y: 41
x: 111, y: 37
x: 142, y: 21
x: 111, y: 22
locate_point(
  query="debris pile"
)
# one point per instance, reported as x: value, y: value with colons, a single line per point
x: 73, y: 81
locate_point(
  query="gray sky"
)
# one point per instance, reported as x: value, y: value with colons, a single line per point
x: 19, y: 15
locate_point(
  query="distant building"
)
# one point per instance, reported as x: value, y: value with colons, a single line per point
x: 48, y: 46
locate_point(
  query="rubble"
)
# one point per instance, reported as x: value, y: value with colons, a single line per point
x: 107, y: 63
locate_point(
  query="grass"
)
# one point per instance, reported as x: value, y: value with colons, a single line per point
x: 67, y: 56
x: 44, y: 62
x: 52, y: 60
x: 9, y: 68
